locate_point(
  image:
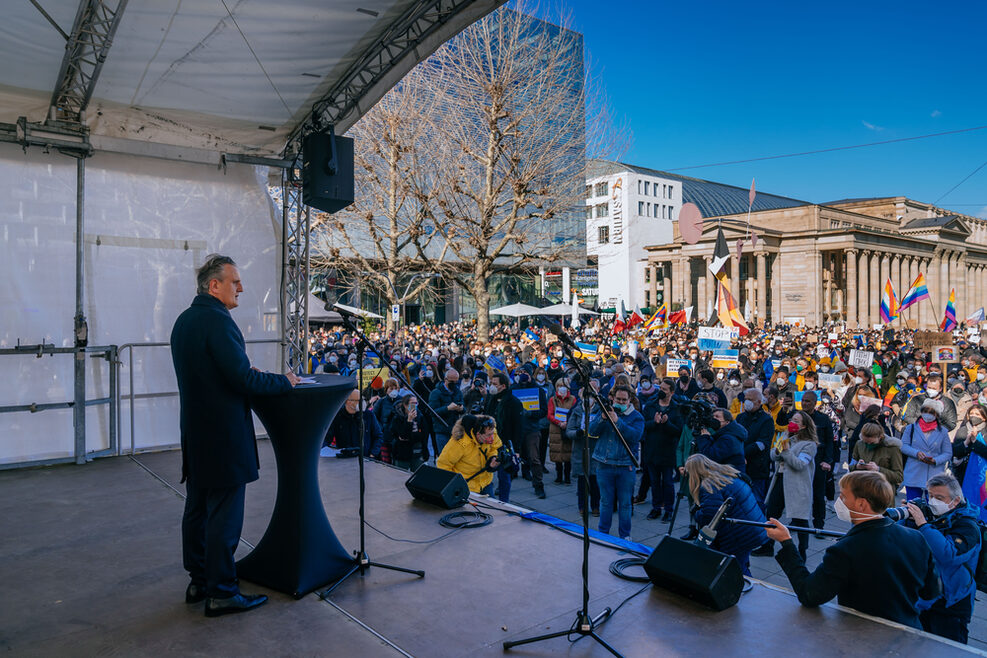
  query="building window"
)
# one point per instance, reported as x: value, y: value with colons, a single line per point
x: 589, y: 191
x: 603, y: 234
x: 602, y: 209
x: 639, y: 187
x: 589, y: 212
x: 647, y: 209
x: 670, y: 210
x: 601, y: 189
x: 647, y: 298
x: 640, y: 207
x: 646, y: 190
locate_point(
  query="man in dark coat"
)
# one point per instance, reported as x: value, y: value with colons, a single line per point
x: 879, y: 568
x: 344, y: 432
x: 725, y: 445
x: 506, y: 410
x: 757, y: 447
x: 447, y: 401
x: 219, y: 449
x: 531, y: 427
x: 662, y: 430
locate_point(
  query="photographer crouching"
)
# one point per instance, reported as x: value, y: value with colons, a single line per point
x: 473, y: 451
x: 949, y: 525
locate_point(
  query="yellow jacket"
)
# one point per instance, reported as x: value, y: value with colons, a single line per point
x: 467, y: 457
x: 773, y: 412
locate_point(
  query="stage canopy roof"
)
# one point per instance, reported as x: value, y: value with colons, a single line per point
x: 233, y: 76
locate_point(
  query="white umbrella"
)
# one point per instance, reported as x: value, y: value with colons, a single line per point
x: 565, y: 309
x: 359, y: 311
x: 516, y: 310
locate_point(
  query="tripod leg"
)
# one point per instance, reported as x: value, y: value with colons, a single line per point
x: 538, y: 638
x: 417, y: 572
x: 353, y: 570
x: 605, y: 645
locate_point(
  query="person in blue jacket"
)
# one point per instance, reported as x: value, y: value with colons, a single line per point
x: 954, y: 537
x: 614, y: 468
x: 726, y: 444
x: 710, y: 485
x: 219, y: 449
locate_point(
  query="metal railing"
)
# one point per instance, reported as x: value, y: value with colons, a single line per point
x: 113, y: 355
x: 108, y: 352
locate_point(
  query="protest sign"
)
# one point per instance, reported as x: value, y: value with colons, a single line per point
x: 944, y: 354
x: 728, y: 359
x: 719, y: 333
x: 861, y: 358
x: 561, y: 414
x: 829, y: 381
x: 866, y: 403
x: 370, y: 374
x: 528, y: 397
x: 926, y: 340
x: 673, y: 365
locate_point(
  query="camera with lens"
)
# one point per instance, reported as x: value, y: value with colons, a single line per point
x: 698, y: 415
x: 902, y: 513
x: 506, y: 458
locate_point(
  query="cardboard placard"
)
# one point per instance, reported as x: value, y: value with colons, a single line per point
x: 945, y: 354
x: 719, y: 333
x: 833, y: 336
x: 861, y: 359
x: 926, y: 340
x: 811, y: 338
x: 866, y: 403
x: 370, y: 374
x: 829, y: 381
x: 529, y: 398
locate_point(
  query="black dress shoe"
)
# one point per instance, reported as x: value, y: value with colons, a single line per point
x: 653, y: 514
x: 195, y: 593
x: 238, y: 603
x: 692, y: 534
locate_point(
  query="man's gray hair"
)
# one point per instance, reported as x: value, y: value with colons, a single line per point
x: 948, y: 481
x: 754, y: 395
x: 211, y: 269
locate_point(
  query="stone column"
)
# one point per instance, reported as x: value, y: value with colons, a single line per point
x: 775, y: 307
x: 922, y: 312
x: 959, y: 281
x: 948, y: 267
x: 851, y: 287
x: 970, y: 290
x: 666, y: 285
x: 863, y: 271
x: 711, y: 283
x: 687, y: 299
x: 761, y: 309
x: 735, y: 281
x: 828, y: 274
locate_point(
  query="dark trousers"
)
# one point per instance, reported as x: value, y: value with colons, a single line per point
x: 211, y: 529
x: 532, y: 453
x: 941, y: 623
x: 563, y: 471
x: 760, y: 489
x: 543, y: 447
x: 776, y: 505
x: 594, y: 492
x: 819, y: 497
x: 662, y: 489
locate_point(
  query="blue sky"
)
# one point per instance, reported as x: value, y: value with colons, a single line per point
x: 708, y: 82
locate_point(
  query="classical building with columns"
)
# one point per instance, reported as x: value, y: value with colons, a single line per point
x: 828, y: 262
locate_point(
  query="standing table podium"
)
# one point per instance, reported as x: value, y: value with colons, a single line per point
x: 299, y: 551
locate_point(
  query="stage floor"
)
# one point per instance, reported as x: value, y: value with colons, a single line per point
x: 91, y: 565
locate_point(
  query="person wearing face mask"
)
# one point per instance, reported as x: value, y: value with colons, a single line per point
x: 548, y: 389
x: 384, y: 410
x: 726, y: 444
x: 707, y: 383
x: 876, y: 451
x: 955, y: 541
x: 962, y: 400
x: 933, y: 391
x: 646, y: 390
x: 662, y: 430
x: 507, y: 411
x: 926, y: 445
x: 860, y: 386
x: 409, y: 440
x: 792, y: 490
x: 783, y: 383
x: 472, y: 452
x: 614, y: 468
x: 559, y: 445
x: 757, y: 445
x: 686, y: 388
x: 966, y: 441
x: 344, y: 432
x: 880, y: 568
x: 731, y: 387
x: 447, y: 401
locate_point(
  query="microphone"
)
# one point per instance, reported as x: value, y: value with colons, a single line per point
x: 708, y: 533
x: 556, y: 329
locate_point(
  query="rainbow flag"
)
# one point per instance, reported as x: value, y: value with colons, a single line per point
x: 915, y: 294
x: 889, y: 303
x: 949, y: 320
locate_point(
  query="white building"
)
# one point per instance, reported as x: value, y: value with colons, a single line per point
x: 626, y: 210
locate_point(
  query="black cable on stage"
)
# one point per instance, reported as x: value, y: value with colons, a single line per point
x: 412, y: 541
x: 466, y: 519
x: 618, y: 567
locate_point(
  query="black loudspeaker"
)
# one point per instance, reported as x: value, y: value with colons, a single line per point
x: 438, y: 487
x: 706, y: 576
x: 327, y: 171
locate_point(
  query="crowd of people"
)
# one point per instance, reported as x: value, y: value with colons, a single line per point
x: 771, y: 431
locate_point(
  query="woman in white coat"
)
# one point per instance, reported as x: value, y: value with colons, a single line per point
x: 796, y: 466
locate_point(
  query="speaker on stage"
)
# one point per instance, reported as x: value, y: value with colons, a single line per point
x: 706, y: 576
x: 438, y: 487
x: 327, y: 171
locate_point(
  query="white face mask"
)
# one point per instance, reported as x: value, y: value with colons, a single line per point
x: 492, y: 389
x: 645, y: 386
x: 938, y: 507
x: 927, y: 417
x: 932, y: 393
x: 749, y: 405
x: 858, y: 380
x: 540, y: 378
x: 824, y: 368
x: 719, y: 375
x: 981, y: 376
x: 734, y: 382
x: 844, y: 513
x: 782, y: 381
x: 809, y: 386
x: 562, y: 391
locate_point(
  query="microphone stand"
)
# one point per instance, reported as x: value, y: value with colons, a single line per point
x: 585, y: 625
x: 361, y: 561
x: 811, y: 531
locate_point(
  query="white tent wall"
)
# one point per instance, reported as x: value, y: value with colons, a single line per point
x: 148, y: 224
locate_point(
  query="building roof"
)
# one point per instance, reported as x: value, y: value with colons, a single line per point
x: 713, y: 199
x: 861, y: 199
x: 932, y: 222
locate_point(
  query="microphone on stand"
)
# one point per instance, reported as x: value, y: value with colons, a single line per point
x: 708, y: 533
x: 556, y: 329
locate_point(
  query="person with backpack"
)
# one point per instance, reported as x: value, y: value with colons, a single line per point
x: 954, y: 536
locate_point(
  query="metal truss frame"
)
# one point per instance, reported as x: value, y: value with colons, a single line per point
x: 295, y: 223
x: 85, y: 51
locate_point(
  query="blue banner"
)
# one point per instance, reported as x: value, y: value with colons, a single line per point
x: 528, y: 397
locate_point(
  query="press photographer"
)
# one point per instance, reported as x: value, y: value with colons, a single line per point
x: 949, y: 525
x: 473, y: 451
x: 721, y: 438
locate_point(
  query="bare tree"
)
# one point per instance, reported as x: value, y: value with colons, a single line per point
x: 375, y: 242
x: 508, y: 150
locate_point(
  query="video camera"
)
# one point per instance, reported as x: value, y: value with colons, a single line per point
x: 698, y: 414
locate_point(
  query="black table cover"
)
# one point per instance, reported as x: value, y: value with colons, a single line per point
x: 299, y: 551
